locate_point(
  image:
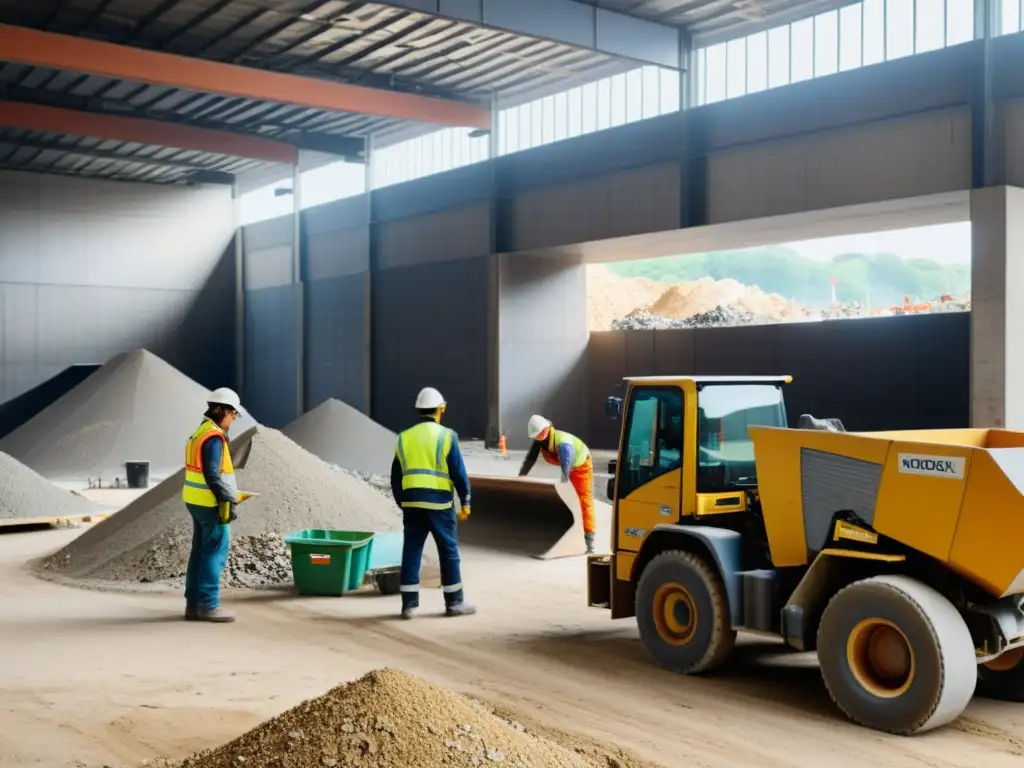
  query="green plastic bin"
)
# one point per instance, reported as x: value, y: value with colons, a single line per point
x: 329, y: 563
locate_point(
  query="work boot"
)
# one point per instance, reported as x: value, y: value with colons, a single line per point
x: 215, y: 615
x: 191, y: 614
x: 461, y: 608
x: 589, y: 538
x: 409, y: 613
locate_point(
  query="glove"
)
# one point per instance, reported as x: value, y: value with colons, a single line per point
x: 226, y: 510
x: 463, y: 513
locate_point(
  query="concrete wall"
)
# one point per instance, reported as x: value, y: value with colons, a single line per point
x: 886, y: 373
x: 336, y: 252
x: 89, y: 269
x: 542, y: 343
x: 273, y: 328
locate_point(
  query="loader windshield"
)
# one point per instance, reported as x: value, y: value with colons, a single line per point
x: 725, y: 450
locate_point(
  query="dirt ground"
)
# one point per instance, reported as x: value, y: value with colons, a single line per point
x: 93, y: 679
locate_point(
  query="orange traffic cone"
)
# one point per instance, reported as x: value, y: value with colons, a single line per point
x: 503, y: 446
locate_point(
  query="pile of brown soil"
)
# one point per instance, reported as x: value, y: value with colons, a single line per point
x: 391, y: 719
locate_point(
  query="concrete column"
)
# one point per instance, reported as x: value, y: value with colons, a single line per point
x: 300, y: 389
x: 997, y: 317
x: 239, y: 258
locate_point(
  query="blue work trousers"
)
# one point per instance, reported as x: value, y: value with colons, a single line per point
x: 206, y: 560
x: 441, y: 525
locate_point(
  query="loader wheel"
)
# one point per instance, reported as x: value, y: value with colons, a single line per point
x: 1003, y: 677
x: 896, y: 655
x: 683, y: 613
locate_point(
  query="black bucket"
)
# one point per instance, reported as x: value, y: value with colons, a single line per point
x: 138, y: 473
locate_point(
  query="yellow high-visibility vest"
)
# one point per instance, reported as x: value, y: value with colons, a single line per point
x: 196, y: 491
x: 557, y: 437
x: 422, y: 453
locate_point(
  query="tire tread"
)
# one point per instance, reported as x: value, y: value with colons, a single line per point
x: 722, y: 639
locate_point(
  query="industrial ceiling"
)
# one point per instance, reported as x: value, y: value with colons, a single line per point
x: 172, y: 91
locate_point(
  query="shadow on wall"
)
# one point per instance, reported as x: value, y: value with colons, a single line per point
x: 559, y: 401
x: 18, y: 410
x: 873, y: 374
x: 202, y: 343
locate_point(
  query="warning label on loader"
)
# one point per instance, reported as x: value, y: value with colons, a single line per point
x: 952, y: 467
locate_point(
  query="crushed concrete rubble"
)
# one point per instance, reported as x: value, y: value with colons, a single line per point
x: 25, y: 495
x: 134, y: 408
x: 718, y: 317
x: 392, y: 719
x: 148, y: 541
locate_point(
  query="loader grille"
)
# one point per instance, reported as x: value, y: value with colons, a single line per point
x: 831, y: 483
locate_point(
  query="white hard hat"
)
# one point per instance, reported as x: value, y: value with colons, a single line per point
x: 537, y: 425
x: 429, y: 398
x: 224, y: 396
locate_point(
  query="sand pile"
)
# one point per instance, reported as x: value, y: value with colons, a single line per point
x: 610, y: 296
x: 136, y: 407
x: 25, y: 495
x: 341, y: 435
x: 698, y: 297
x: 148, y: 541
x: 391, y: 719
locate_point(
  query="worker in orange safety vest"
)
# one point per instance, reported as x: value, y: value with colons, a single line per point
x: 572, y: 455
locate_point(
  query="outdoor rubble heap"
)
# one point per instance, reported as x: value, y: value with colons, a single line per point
x: 25, y: 495
x: 719, y: 317
x: 636, y: 303
x: 391, y: 719
x: 135, y: 408
x: 149, y: 540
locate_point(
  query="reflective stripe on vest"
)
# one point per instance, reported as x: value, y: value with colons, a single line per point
x: 557, y: 438
x: 196, y: 491
x: 422, y: 453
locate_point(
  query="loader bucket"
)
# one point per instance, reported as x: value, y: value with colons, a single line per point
x: 538, y: 518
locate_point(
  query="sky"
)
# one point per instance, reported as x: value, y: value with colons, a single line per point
x: 944, y: 243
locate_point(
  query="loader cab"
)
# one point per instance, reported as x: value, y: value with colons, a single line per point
x: 684, y: 441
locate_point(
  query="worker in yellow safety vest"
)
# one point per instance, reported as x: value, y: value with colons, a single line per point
x: 425, y: 475
x: 210, y: 495
x: 572, y: 455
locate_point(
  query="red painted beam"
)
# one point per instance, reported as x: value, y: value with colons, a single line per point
x: 46, y: 49
x: 32, y: 117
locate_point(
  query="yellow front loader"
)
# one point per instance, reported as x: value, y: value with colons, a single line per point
x: 897, y: 556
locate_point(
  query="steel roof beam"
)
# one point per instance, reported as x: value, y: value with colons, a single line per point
x: 63, y: 52
x: 565, y: 21
x: 77, y: 150
x: 36, y: 117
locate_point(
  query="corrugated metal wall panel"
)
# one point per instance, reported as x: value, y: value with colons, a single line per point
x: 439, y: 192
x: 272, y: 354
x: 338, y: 341
x: 920, y: 155
x: 430, y: 329
x: 457, y: 233
x: 625, y: 203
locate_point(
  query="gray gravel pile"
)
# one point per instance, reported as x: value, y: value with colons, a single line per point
x: 344, y: 436
x: 25, y: 495
x: 149, y: 540
x: 135, y: 408
x: 379, y: 483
